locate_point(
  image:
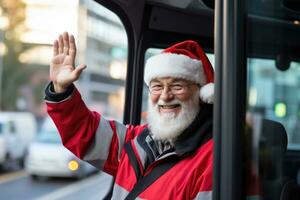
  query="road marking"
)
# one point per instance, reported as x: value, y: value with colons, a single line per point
x: 12, y: 176
x: 67, y: 190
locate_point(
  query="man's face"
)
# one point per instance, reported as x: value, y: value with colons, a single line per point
x: 173, y: 105
x: 169, y: 89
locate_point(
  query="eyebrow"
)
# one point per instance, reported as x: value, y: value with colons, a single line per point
x: 172, y: 82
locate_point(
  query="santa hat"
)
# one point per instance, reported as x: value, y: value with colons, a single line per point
x: 184, y: 60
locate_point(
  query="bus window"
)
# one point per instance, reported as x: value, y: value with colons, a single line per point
x: 101, y: 45
x: 276, y: 94
x: 27, y: 31
x: 272, y: 142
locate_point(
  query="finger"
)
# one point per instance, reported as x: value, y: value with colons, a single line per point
x: 72, y: 50
x: 60, y: 44
x: 55, y: 47
x: 77, y: 71
x: 66, y: 43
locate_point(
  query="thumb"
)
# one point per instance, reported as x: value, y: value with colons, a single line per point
x: 77, y: 71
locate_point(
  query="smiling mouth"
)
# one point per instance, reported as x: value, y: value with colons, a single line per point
x: 169, y: 106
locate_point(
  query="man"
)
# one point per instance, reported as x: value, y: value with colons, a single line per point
x: 172, y: 156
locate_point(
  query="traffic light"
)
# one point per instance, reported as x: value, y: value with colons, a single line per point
x: 280, y: 109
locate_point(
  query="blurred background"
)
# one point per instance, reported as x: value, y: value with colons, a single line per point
x: 27, y: 31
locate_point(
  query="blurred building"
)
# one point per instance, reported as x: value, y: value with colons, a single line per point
x: 101, y: 44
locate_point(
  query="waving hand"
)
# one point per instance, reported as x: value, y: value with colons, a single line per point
x: 62, y: 70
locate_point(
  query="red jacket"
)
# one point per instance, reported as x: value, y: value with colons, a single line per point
x: 100, y: 142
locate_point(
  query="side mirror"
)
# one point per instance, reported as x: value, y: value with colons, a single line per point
x: 283, y: 62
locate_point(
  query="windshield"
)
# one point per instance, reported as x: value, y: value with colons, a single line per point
x: 49, y: 136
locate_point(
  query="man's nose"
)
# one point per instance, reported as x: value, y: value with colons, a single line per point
x: 166, y: 94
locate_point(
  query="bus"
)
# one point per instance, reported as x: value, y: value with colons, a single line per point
x: 254, y: 47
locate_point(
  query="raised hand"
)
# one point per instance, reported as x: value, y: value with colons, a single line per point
x: 62, y: 70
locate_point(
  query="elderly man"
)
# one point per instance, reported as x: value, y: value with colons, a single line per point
x: 171, y: 157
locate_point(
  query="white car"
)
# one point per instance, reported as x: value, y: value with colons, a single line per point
x: 17, y: 129
x: 47, y: 157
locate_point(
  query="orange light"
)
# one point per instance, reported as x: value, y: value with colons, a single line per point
x: 73, y: 165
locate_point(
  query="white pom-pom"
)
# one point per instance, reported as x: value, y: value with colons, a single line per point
x: 207, y: 93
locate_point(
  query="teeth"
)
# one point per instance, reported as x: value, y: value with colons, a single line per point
x: 169, y: 106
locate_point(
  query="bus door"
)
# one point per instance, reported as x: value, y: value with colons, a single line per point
x: 257, y: 104
x: 256, y: 109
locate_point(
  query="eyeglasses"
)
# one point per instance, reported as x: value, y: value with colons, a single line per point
x: 177, y: 89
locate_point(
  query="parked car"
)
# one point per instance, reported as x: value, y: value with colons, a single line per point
x: 17, y: 130
x: 47, y: 157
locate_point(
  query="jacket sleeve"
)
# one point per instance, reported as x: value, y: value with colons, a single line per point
x: 85, y: 133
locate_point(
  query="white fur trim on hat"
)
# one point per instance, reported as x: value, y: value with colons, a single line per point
x: 174, y: 65
x: 207, y: 93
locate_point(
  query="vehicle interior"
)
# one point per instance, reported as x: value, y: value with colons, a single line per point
x: 271, y: 46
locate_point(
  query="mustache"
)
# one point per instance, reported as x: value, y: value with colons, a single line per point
x: 163, y: 103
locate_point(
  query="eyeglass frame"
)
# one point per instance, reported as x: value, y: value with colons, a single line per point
x: 169, y: 88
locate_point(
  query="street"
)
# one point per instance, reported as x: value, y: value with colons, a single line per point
x: 18, y: 185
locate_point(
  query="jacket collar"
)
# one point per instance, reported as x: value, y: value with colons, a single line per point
x: 192, y: 137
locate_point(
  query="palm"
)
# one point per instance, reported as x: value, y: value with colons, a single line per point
x: 61, y: 69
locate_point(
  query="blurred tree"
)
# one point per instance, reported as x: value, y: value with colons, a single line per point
x: 14, y: 75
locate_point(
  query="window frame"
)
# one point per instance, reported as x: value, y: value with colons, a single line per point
x: 230, y: 90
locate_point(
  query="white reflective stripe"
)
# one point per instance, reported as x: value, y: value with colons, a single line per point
x: 98, y: 151
x: 120, y: 193
x: 141, y: 152
x: 207, y: 195
x: 121, y: 130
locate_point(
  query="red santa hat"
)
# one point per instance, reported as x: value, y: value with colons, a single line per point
x: 184, y: 60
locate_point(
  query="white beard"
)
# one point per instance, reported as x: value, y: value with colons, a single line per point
x: 167, y: 126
